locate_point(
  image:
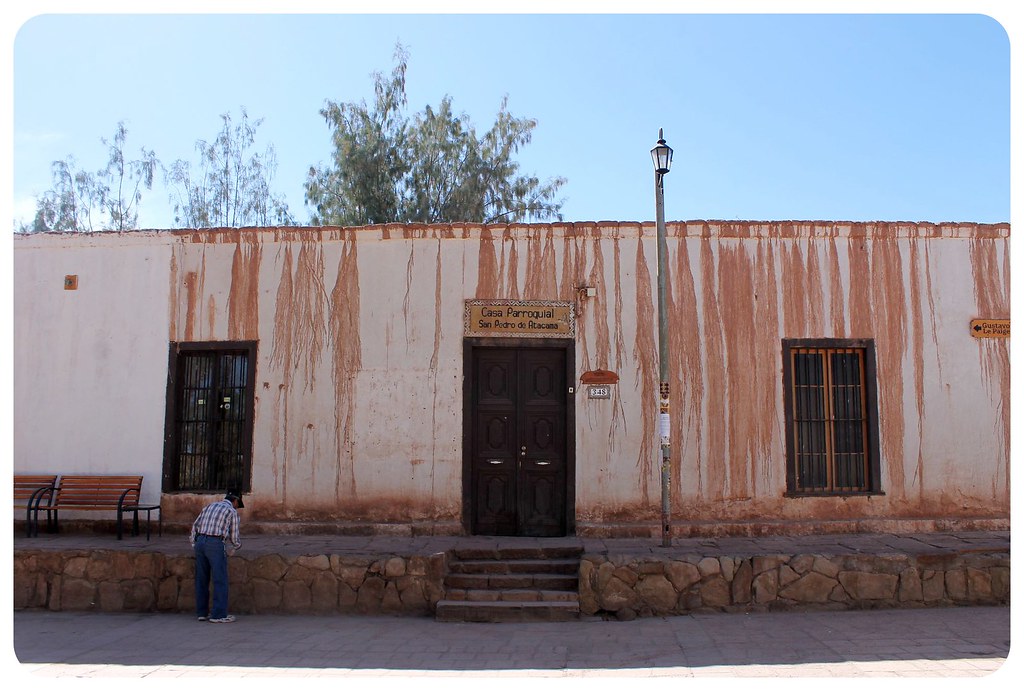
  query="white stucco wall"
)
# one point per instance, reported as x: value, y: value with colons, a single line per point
x: 360, y: 344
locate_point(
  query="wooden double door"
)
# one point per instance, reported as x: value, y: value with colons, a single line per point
x: 519, y: 432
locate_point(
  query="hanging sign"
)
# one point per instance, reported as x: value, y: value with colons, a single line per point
x: 530, y: 318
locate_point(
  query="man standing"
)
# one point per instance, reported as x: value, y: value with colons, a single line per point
x: 214, y: 537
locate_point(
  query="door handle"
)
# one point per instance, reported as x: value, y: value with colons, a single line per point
x: 495, y: 461
x: 543, y: 462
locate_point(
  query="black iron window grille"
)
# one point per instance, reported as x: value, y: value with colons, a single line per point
x: 831, y: 417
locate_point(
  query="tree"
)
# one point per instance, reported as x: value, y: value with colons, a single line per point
x: 432, y: 169
x: 232, y: 186
x: 126, y: 177
x: 76, y: 195
x: 68, y: 205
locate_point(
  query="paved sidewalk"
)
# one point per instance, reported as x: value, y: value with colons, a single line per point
x: 959, y: 641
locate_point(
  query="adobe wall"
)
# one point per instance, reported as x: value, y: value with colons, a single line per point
x: 358, y: 413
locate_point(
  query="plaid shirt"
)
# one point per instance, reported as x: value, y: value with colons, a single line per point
x: 220, y: 520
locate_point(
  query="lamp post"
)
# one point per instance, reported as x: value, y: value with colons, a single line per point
x: 662, y: 157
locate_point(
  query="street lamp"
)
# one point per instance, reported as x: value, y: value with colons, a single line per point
x: 661, y: 154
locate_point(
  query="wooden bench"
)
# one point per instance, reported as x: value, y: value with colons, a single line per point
x: 120, y: 493
x: 30, y: 490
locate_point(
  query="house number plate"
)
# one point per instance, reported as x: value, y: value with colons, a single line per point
x: 599, y: 391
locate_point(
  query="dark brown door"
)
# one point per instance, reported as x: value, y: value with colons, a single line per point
x: 518, y: 441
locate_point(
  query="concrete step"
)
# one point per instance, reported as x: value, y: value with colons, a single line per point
x: 494, y: 566
x: 512, y: 595
x: 495, y: 552
x: 512, y: 581
x: 505, y: 611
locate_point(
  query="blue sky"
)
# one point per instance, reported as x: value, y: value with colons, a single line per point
x: 772, y: 117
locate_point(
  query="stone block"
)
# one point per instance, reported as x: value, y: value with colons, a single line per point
x: 269, y: 567
x: 314, y: 562
x: 347, y: 597
x: 324, y: 592
x: 626, y: 575
x: 646, y: 568
x: 391, y: 602
x: 862, y: 585
x: 838, y: 594
x: 617, y: 595
x: 682, y: 574
x: 587, y: 593
x: 74, y: 567
x: 110, y: 597
x: 394, y: 567
x: 802, y: 563
x: 689, y: 601
x: 266, y: 595
x: 910, y: 586
x: 412, y: 596
x: 180, y: 566
x: 139, y: 595
x: 728, y: 567
x: 370, y: 595
x: 1000, y: 582
x: 825, y: 567
x: 353, y: 576
x: 167, y: 594
x: 148, y: 565
x: 933, y: 586
x: 605, y: 572
x: 77, y: 594
x: 765, y: 586
x: 656, y: 591
x: 715, y: 592
x: 340, y: 560
x: 787, y: 575
x: 979, y: 585
x: 709, y: 566
x: 811, y: 587
x: 770, y: 562
x: 299, y: 573
x: 741, y: 582
x: 296, y: 596
x: 417, y: 566
x: 956, y: 585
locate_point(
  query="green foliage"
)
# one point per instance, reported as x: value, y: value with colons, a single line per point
x: 431, y: 169
x: 232, y: 186
x: 122, y: 177
x: 112, y: 193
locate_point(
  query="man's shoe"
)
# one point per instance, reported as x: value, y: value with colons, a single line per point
x: 223, y: 620
x: 202, y: 618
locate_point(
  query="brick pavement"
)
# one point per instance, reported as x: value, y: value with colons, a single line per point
x: 939, y: 642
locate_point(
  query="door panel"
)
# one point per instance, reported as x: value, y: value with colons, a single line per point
x: 518, y: 466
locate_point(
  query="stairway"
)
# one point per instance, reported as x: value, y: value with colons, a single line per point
x: 498, y: 584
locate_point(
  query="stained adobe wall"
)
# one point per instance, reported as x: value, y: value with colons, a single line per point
x: 359, y: 371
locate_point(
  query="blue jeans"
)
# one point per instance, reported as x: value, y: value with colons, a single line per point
x: 211, y: 563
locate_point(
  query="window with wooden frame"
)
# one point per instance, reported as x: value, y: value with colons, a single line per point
x: 210, y: 404
x: 831, y: 417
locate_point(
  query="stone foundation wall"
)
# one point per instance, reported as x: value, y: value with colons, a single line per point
x: 620, y: 585
x: 111, y: 581
x: 627, y: 587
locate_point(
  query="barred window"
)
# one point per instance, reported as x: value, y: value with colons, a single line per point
x: 831, y: 417
x: 210, y: 398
